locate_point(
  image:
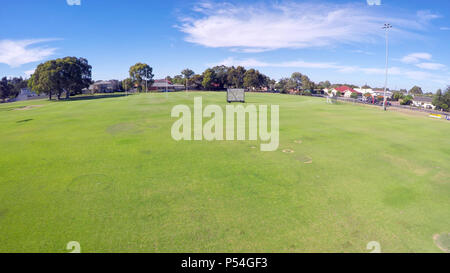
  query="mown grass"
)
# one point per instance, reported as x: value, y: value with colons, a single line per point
x: 106, y: 173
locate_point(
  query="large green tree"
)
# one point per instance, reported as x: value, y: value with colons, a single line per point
x: 325, y: 84
x: 5, y: 89
x: 442, y: 100
x: 252, y: 79
x: 127, y: 84
x: 221, y: 76
x: 283, y: 85
x: 307, y: 84
x: 76, y: 74
x: 416, y: 90
x: 187, y: 73
x: 142, y: 75
x: 296, y: 81
x: 208, y: 78
x: 235, y: 77
x: 197, y: 81
x: 54, y: 77
x: 46, y: 79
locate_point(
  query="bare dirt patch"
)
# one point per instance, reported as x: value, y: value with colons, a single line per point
x: 304, y: 159
x: 442, y: 241
x: 288, y: 151
x: 29, y: 107
x: 298, y: 141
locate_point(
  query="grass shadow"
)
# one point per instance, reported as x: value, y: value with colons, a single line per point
x: 25, y: 120
x: 95, y: 97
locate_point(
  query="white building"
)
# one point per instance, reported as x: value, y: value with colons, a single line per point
x: 26, y: 94
x: 423, y: 102
x: 105, y: 86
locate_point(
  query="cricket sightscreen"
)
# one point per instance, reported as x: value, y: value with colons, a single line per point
x: 235, y: 95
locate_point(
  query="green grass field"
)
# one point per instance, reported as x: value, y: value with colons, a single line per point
x: 107, y: 173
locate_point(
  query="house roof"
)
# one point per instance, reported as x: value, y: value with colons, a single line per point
x: 423, y: 99
x: 345, y: 88
x: 162, y: 81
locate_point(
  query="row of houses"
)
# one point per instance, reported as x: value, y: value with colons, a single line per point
x: 346, y: 91
x: 114, y: 85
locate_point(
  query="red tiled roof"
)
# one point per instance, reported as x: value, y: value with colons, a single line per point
x: 163, y: 81
x: 345, y: 88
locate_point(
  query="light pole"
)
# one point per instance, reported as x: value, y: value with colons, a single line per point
x: 386, y: 27
x: 146, y: 73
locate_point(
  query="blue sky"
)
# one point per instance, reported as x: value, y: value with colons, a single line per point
x: 340, y: 41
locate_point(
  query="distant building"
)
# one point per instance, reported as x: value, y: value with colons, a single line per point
x: 375, y: 92
x: 105, y: 86
x: 365, y: 90
x: 380, y: 92
x: 26, y: 94
x: 163, y: 85
x: 424, y: 102
x: 345, y: 91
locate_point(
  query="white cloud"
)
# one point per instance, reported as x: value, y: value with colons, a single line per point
x: 17, y: 53
x: 431, y: 66
x: 297, y: 64
x: 416, y: 57
x: 445, y: 28
x: 374, y: 2
x: 73, y: 2
x: 254, y: 27
x: 28, y: 73
x: 393, y: 71
x: 426, y: 15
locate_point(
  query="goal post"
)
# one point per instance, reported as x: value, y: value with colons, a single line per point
x: 235, y: 95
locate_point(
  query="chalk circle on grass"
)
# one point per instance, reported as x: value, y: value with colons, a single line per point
x: 90, y: 183
x: 288, y: 151
x: 442, y: 241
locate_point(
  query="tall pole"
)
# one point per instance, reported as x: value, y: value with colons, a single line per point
x: 146, y: 73
x: 386, y: 28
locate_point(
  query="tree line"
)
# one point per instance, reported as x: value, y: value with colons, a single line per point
x: 10, y: 88
x: 70, y: 75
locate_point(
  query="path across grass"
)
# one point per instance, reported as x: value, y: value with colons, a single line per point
x: 105, y: 172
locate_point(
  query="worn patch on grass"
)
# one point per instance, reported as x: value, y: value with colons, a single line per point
x: 288, y: 151
x: 399, y: 197
x: 29, y: 107
x: 90, y: 183
x: 123, y: 128
x: 408, y: 164
x: 304, y: 159
x: 442, y: 241
x: 127, y: 141
x: 298, y: 141
x: 3, y: 212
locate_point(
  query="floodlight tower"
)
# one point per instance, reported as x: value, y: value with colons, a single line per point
x: 386, y: 27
